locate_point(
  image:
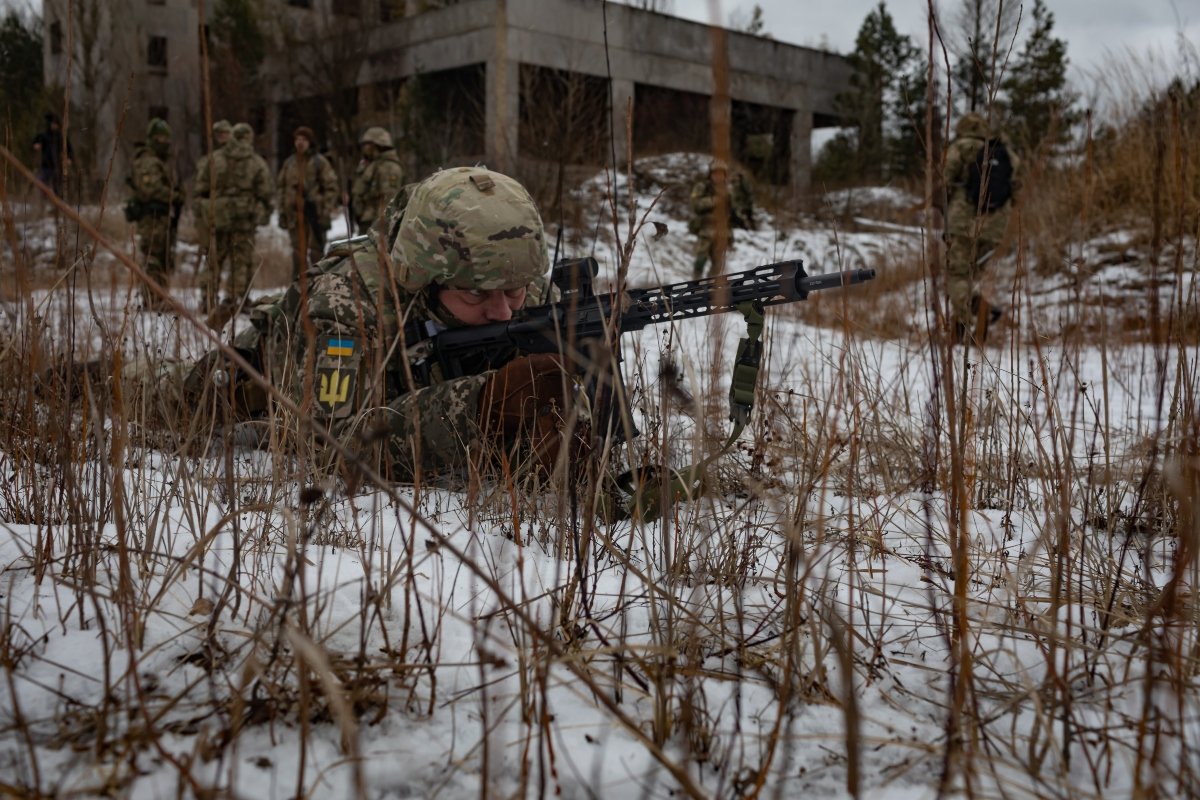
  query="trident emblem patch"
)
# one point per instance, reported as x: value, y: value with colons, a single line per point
x: 334, y: 377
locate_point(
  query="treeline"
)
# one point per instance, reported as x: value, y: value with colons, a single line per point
x: 1018, y: 80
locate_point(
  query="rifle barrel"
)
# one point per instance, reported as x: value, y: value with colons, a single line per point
x: 833, y: 280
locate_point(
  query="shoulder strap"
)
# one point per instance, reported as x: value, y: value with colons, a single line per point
x: 645, y: 488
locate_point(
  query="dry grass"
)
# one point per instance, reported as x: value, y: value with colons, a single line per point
x: 922, y: 565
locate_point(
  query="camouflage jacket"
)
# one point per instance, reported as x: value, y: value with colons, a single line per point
x: 153, y: 182
x: 368, y: 375
x: 307, y: 179
x: 241, y: 188
x: 961, y: 218
x: 704, y: 202
x: 201, y: 205
x: 375, y: 183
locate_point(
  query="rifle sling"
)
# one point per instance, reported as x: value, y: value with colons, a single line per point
x: 688, y: 483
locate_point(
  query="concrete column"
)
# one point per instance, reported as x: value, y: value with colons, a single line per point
x: 801, y: 146
x: 503, y: 100
x: 622, y: 100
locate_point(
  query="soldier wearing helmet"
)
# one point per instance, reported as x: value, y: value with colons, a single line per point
x: 238, y: 187
x: 154, y: 206
x: 222, y: 130
x: 739, y: 201
x: 982, y: 175
x: 463, y: 247
x: 377, y: 178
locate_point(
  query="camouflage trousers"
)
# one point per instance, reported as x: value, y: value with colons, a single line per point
x: 314, y: 242
x: 236, y: 248
x: 704, y: 258
x: 158, y: 252
x: 971, y: 241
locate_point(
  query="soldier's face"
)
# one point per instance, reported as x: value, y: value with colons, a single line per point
x: 221, y: 138
x: 301, y: 143
x: 479, y: 307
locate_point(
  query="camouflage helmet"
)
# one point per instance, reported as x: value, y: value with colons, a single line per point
x: 242, y: 132
x: 376, y: 136
x: 469, y: 228
x: 222, y: 127
x: 972, y: 124
x: 158, y: 127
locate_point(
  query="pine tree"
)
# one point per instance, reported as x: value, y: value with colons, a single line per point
x: 906, y: 140
x: 979, y: 42
x: 883, y: 60
x: 1039, y: 104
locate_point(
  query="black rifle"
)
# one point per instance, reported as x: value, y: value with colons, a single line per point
x: 583, y: 324
x: 581, y: 316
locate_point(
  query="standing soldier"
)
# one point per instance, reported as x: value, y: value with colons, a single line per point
x: 308, y: 193
x: 154, y: 206
x: 740, y: 199
x: 378, y: 177
x: 202, y: 206
x: 54, y: 154
x: 981, y: 178
x: 242, y: 194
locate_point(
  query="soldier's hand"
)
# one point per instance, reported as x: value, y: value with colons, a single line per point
x: 529, y: 400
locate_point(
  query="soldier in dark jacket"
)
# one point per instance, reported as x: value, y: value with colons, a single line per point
x: 54, y: 154
x: 979, y: 203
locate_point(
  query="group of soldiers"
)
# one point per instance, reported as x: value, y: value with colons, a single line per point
x: 234, y: 194
x: 464, y: 247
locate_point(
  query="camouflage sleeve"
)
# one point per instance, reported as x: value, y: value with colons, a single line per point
x: 702, y: 200
x: 154, y: 183
x: 956, y: 165
x: 201, y: 185
x: 264, y: 186
x: 281, y: 200
x: 390, y: 182
x: 328, y: 181
x: 436, y: 427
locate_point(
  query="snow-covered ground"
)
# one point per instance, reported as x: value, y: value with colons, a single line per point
x: 811, y: 627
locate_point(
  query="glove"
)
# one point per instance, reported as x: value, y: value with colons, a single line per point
x: 526, y: 401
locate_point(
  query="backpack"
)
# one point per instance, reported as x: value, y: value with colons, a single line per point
x: 992, y: 164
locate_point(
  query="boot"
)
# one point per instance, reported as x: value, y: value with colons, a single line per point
x: 986, y: 314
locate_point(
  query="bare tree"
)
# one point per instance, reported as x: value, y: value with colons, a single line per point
x: 321, y: 53
x: 980, y: 40
x: 564, y: 122
x: 90, y: 46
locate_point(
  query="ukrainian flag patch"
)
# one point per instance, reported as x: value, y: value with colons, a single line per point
x: 340, y: 347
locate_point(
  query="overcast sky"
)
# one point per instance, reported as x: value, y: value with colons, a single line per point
x: 1096, y: 31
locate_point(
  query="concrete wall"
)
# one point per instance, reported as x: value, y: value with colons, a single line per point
x: 642, y: 48
x: 111, y: 84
